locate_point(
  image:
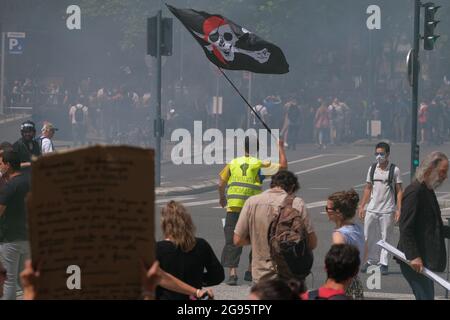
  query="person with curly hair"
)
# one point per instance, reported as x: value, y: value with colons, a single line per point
x: 341, y: 209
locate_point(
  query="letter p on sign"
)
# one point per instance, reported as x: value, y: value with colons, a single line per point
x: 13, y: 43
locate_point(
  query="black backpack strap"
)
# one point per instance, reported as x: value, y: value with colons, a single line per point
x: 39, y: 141
x: 391, y: 174
x: 372, y: 172
x: 391, y: 182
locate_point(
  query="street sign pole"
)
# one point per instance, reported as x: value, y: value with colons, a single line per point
x: 415, y: 86
x: 249, y: 99
x: 371, y: 84
x: 2, y: 76
x: 158, y: 128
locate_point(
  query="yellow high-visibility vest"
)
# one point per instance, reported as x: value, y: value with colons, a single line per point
x: 244, y: 181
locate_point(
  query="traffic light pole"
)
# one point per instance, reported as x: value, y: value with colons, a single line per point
x: 415, y: 85
x: 2, y: 75
x: 158, y: 122
x: 371, y: 85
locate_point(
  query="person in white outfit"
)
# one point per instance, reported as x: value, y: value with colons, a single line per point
x: 45, y: 140
x: 384, y: 189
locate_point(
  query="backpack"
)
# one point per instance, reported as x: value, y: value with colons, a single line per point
x: 288, y: 242
x: 39, y: 141
x: 390, y: 180
x: 314, y: 295
x: 79, y: 113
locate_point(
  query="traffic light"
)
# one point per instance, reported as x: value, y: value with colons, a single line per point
x: 416, y: 160
x: 151, y: 36
x: 166, y: 36
x: 166, y: 44
x: 429, y: 38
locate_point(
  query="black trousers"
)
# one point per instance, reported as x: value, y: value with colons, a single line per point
x: 422, y: 287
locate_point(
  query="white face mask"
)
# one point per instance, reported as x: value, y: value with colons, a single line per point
x: 380, y: 159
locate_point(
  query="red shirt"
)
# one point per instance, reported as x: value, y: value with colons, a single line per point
x: 324, y: 293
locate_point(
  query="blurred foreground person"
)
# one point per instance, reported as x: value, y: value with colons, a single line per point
x: 277, y: 289
x: 3, y: 275
x: 342, y: 265
x: 14, y: 245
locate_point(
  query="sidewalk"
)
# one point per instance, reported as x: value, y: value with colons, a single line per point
x: 6, y: 118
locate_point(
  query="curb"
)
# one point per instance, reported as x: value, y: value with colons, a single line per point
x: 208, y: 185
x: 367, y: 143
x: 14, y: 118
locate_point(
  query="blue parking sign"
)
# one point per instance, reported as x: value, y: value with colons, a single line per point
x: 15, y: 42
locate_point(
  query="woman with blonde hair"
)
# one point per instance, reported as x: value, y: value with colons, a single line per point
x: 341, y: 209
x: 183, y: 255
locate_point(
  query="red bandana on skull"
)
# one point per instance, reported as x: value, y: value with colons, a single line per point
x: 218, y: 33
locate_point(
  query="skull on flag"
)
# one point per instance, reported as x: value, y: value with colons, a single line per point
x: 221, y: 38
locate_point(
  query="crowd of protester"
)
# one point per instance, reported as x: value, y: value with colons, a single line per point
x: 125, y: 114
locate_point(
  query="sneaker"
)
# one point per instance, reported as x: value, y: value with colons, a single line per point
x: 248, y: 276
x: 232, y: 281
x: 384, y: 270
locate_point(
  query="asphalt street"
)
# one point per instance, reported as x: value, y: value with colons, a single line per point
x: 320, y: 172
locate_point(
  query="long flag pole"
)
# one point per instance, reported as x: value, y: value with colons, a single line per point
x: 245, y: 100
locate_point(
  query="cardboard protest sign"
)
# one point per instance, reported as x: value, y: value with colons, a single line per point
x: 91, y: 222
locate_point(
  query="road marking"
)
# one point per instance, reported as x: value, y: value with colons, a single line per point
x: 179, y: 198
x: 330, y: 165
x: 306, y: 159
x: 199, y: 203
x: 316, y: 204
x: 341, y: 154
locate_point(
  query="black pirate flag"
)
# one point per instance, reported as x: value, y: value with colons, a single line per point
x: 229, y: 46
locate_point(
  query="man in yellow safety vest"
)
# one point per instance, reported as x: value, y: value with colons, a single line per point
x: 241, y: 179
